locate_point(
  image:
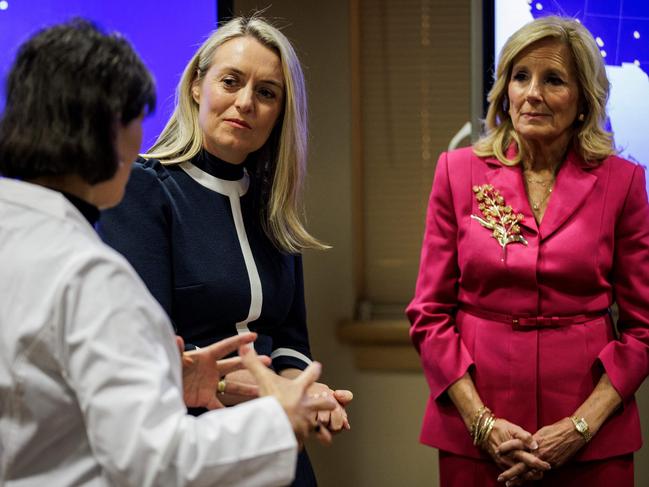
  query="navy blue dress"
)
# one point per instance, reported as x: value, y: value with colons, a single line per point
x: 193, y: 233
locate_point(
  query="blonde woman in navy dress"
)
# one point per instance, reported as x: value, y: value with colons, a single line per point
x: 91, y: 387
x: 211, y: 218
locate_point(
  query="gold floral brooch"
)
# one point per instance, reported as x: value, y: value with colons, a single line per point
x: 498, y: 217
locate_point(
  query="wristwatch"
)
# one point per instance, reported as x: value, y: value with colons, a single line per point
x: 582, y: 427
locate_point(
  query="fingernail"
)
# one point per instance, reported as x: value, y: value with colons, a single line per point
x: 500, y: 478
x: 534, y: 445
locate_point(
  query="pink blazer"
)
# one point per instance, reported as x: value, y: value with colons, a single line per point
x: 591, y: 249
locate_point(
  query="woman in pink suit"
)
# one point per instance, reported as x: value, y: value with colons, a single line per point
x: 531, y: 236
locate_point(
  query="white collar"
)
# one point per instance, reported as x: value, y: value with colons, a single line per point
x: 223, y: 186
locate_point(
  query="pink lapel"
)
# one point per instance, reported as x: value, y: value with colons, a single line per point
x: 573, y: 185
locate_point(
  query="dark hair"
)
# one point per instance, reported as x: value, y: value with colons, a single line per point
x: 68, y: 87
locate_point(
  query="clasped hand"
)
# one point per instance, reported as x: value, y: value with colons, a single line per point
x: 309, y: 405
x: 335, y: 420
x: 524, y: 456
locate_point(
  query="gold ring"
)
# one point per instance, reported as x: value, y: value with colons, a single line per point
x: 220, y: 387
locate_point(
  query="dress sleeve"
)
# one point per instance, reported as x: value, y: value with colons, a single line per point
x: 139, y: 229
x: 119, y: 357
x: 626, y: 360
x: 444, y: 356
x: 291, y: 338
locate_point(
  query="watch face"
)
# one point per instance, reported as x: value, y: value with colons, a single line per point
x: 582, y: 427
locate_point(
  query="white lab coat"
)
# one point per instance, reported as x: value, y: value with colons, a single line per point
x: 90, y: 378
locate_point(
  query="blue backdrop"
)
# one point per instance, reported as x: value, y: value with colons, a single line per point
x: 165, y: 33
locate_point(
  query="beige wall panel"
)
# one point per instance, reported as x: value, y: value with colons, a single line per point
x: 415, y: 97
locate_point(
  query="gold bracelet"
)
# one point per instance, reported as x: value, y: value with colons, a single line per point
x: 477, y: 439
x: 483, y: 430
x: 477, y: 417
x: 490, y: 426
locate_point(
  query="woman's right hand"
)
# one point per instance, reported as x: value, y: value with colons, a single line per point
x: 511, y: 447
x: 467, y: 400
x: 292, y: 395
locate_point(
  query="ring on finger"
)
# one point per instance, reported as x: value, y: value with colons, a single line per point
x: 220, y: 387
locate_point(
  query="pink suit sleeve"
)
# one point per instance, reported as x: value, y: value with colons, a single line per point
x: 626, y: 360
x: 444, y: 356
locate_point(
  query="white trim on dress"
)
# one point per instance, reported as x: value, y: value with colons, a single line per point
x: 234, y: 190
x: 289, y: 352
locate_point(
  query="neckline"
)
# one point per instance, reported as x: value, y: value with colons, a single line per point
x: 229, y: 188
x: 218, y: 168
x: 89, y: 212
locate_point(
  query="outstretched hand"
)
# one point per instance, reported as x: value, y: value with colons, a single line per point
x: 292, y: 395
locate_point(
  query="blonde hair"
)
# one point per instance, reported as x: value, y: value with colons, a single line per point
x: 281, y: 162
x: 590, y: 139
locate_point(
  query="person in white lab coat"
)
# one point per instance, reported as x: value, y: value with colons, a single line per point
x: 91, y: 387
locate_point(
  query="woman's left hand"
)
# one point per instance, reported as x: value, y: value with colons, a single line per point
x: 558, y: 442
x: 335, y: 420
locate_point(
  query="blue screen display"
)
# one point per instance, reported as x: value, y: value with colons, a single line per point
x: 166, y: 34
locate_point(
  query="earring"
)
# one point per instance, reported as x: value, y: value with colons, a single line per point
x: 581, y: 117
